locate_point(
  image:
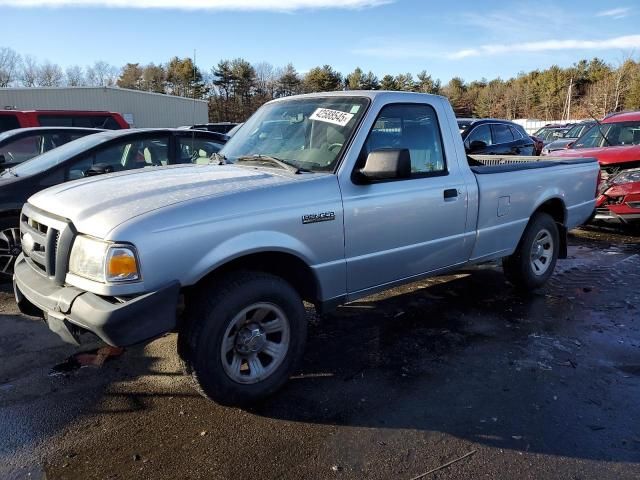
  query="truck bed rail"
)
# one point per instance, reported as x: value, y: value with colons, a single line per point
x: 492, y: 160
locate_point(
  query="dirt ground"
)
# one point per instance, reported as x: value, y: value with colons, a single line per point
x: 540, y: 386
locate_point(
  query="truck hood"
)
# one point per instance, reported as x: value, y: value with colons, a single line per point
x: 605, y: 155
x: 99, y: 204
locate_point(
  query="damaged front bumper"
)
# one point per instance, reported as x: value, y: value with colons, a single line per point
x: 69, y: 311
x: 618, y: 203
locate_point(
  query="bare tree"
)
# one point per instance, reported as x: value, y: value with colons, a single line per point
x: 29, y: 73
x: 75, y: 76
x: 102, y: 74
x: 265, y: 79
x: 50, y: 75
x: 10, y: 62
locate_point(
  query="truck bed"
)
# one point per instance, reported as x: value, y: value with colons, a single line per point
x: 507, y: 198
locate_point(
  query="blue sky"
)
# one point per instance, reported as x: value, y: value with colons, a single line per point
x: 471, y: 39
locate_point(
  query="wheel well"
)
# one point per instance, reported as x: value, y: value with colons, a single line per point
x: 285, y: 265
x: 555, y: 208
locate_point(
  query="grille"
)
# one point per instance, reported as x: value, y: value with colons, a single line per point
x: 46, y: 242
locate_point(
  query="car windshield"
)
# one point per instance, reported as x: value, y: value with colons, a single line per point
x: 54, y: 157
x: 575, y: 131
x: 309, y: 133
x: 8, y: 134
x: 610, y: 134
x: 552, y: 134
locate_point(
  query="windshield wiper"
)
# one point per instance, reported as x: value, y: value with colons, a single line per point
x: 268, y: 158
x: 600, y: 128
x: 9, y: 171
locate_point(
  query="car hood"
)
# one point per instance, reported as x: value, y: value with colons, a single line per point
x: 99, y: 204
x: 605, y: 155
x: 560, y: 144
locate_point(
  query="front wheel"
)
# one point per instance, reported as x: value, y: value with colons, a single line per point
x: 10, y: 246
x: 243, y: 337
x: 533, y: 262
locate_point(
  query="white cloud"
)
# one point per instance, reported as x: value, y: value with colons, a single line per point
x: 627, y: 41
x: 278, y: 5
x: 616, y: 13
x: 420, y: 50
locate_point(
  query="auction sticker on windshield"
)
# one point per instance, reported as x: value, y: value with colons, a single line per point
x: 331, y: 116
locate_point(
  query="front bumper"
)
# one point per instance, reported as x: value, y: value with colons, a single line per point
x: 69, y: 311
x: 604, y: 214
x: 619, y: 203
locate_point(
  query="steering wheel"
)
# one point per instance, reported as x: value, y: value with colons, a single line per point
x: 9, y: 156
x: 335, y: 146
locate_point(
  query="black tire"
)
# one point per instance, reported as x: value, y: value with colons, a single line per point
x: 519, y: 268
x: 210, y: 313
x: 9, y: 246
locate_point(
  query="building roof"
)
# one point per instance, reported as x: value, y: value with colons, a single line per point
x: 109, y: 89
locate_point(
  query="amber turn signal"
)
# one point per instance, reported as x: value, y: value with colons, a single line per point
x: 122, y: 265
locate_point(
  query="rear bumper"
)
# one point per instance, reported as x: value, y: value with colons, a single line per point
x: 68, y: 311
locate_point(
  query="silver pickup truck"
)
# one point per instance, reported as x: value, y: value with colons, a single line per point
x: 324, y: 198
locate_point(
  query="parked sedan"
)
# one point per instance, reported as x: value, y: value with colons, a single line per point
x: 104, y: 152
x: 573, y: 134
x: 21, y: 144
x: 551, y: 134
x: 496, y: 137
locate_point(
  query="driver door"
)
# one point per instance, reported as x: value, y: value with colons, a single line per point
x: 401, y: 228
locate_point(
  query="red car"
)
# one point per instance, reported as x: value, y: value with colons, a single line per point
x: 12, y: 119
x: 615, y: 142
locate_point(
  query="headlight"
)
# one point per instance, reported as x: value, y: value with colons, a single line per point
x: 103, y: 261
x: 545, y: 151
x: 626, y: 176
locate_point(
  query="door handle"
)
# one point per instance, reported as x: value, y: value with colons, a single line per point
x: 450, y: 193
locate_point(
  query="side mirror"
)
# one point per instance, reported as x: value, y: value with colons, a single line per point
x: 386, y: 164
x: 477, y: 145
x: 98, y: 169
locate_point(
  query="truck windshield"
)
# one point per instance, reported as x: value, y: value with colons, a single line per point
x: 310, y: 133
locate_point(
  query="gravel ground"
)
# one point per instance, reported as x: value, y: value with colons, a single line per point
x: 391, y: 387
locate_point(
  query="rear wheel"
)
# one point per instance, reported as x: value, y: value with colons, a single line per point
x: 10, y: 246
x: 242, y: 340
x: 533, y: 262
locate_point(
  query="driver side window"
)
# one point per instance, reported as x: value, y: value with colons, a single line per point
x: 127, y: 155
x: 413, y: 127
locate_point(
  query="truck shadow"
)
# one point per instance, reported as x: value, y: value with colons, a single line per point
x: 549, y: 372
